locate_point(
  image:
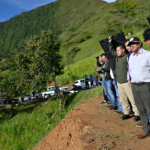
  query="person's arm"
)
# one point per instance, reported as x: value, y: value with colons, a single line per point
x: 111, y: 48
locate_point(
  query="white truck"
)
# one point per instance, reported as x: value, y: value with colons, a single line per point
x: 51, y: 91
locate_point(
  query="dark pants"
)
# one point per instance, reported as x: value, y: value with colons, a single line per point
x: 92, y: 84
x: 141, y: 95
x: 87, y: 84
x: 105, y: 96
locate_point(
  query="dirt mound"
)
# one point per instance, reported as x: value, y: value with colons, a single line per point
x: 91, y: 126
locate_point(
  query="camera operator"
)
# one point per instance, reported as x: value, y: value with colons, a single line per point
x: 107, y: 82
x: 125, y: 91
x: 100, y: 64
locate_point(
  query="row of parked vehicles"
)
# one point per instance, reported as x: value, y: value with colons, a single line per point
x: 50, y: 92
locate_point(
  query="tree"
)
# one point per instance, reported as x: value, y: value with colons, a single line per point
x: 39, y: 62
x: 128, y: 5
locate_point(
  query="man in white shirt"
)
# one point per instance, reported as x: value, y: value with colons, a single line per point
x: 139, y: 64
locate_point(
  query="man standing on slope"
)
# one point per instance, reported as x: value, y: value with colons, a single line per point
x: 125, y: 91
x: 140, y: 78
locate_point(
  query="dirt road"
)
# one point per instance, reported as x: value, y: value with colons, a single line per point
x: 91, y: 126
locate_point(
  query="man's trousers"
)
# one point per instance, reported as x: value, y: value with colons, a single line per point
x: 125, y: 93
x: 141, y: 95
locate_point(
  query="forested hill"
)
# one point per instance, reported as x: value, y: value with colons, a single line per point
x: 57, y: 16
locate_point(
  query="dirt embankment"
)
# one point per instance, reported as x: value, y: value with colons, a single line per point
x: 91, y: 126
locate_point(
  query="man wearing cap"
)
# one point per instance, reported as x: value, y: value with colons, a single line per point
x: 125, y: 91
x: 139, y: 64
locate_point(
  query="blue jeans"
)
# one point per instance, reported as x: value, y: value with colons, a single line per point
x: 108, y: 88
x: 149, y: 118
x: 117, y: 94
x: 119, y: 103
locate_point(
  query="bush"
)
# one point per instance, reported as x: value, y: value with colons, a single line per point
x: 72, y: 35
x: 80, y: 39
x: 72, y: 29
x: 86, y: 35
x: 108, y: 28
x: 128, y: 5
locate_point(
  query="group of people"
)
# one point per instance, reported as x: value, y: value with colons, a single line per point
x: 127, y: 87
x: 91, y: 80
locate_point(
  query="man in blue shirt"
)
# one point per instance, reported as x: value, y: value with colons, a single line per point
x: 139, y: 64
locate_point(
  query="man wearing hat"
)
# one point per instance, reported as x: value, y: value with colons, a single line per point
x: 139, y: 64
x: 125, y: 91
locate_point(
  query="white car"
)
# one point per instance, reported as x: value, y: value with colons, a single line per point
x: 64, y: 89
x: 37, y: 96
x: 81, y: 83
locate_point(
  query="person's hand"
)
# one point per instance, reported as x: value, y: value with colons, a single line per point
x: 95, y: 65
x: 110, y: 39
x: 99, y: 69
x: 129, y: 83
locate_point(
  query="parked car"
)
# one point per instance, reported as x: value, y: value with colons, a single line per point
x: 81, y: 84
x: 51, y: 91
x: 65, y: 90
x: 26, y: 97
x: 15, y: 101
x: 37, y: 96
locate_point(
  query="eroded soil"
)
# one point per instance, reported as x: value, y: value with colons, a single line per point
x: 91, y: 126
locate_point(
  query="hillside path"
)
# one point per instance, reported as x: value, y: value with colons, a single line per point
x: 91, y: 126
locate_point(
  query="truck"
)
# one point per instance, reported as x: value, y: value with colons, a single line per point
x: 51, y: 91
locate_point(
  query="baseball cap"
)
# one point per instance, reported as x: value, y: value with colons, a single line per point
x: 134, y: 40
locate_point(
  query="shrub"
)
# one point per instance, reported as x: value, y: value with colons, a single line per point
x: 80, y: 39
x: 72, y: 29
x: 72, y: 35
x: 86, y: 35
x: 128, y: 5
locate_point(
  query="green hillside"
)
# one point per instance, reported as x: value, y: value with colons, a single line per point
x: 80, y: 26
x: 58, y: 17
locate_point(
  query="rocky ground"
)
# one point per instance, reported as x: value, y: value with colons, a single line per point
x: 91, y: 126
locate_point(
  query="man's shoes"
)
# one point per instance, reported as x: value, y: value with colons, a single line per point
x: 103, y: 103
x: 136, y: 118
x: 143, y: 135
x: 124, y: 117
x: 109, y: 106
x: 119, y: 112
x: 113, y: 108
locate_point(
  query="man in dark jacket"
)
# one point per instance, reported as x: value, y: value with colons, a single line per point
x: 107, y: 82
x: 86, y: 81
x: 125, y: 91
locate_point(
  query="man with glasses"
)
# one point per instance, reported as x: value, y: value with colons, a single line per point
x: 139, y: 64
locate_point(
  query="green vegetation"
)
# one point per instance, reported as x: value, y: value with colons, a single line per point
x: 28, y: 124
x: 40, y: 61
x: 59, y: 17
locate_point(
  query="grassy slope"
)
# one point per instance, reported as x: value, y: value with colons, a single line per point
x: 33, y: 122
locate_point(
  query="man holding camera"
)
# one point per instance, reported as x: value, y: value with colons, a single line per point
x: 107, y: 82
x: 125, y: 91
